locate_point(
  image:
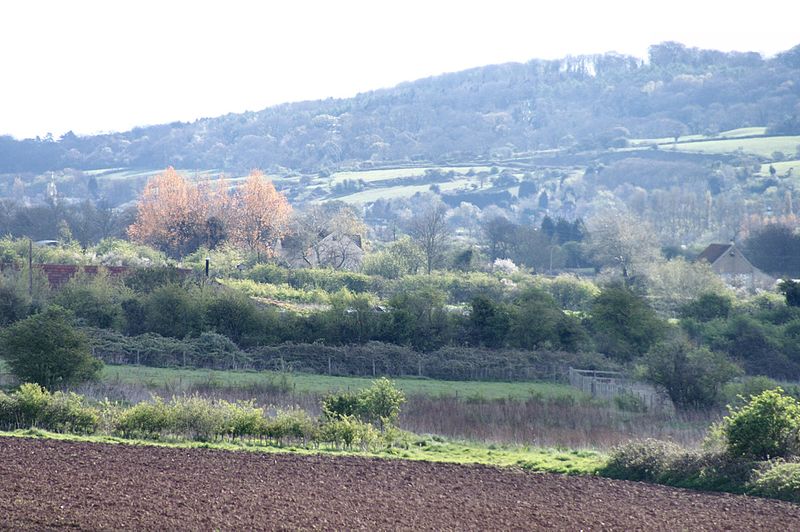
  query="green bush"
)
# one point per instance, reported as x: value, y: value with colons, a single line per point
x: 33, y: 406
x: 779, y: 481
x: 14, y: 304
x: 766, y: 427
x: 339, y: 405
x: 268, y: 273
x: 145, y: 419
x: 96, y: 301
x: 172, y: 310
x: 46, y: 349
x: 381, y: 402
x: 692, y: 376
x: 645, y: 460
x: 348, y: 432
x: 291, y: 425
x: 196, y: 417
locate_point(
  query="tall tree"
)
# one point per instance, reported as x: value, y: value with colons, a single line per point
x: 260, y: 215
x: 170, y: 214
x: 429, y: 229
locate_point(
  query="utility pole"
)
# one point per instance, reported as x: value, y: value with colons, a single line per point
x: 30, y: 267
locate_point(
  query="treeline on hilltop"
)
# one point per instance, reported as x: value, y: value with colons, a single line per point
x: 584, y: 102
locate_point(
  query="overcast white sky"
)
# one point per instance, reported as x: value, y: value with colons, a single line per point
x: 92, y: 66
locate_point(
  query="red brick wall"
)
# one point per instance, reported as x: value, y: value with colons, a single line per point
x: 59, y: 274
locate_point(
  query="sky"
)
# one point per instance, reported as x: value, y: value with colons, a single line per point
x: 99, y: 66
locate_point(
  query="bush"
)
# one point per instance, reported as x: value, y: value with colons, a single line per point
x: 171, y: 310
x: 95, y: 301
x: 766, y: 427
x: 196, y: 417
x: 692, y: 376
x: 33, y: 406
x: 381, y: 402
x: 268, y: 273
x: 146, y: 419
x: 779, y: 481
x: 13, y: 305
x: 292, y: 425
x: 645, y: 460
x: 46, y: 349
x: 347, y: 432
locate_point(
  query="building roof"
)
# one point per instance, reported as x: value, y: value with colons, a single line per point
x: 714, y: 252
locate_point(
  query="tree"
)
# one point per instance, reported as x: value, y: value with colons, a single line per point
x: 381, y: 402
x: 46, y: 349
x: 624, y: 325
x: 692, y: 376
x: 622, y: 241
x: 171, y: 213
x: 259, y: 215
x: 488, y: 322
x: 764, y: 427
x: 790, y: 289
x: 429, y: 229
x: 337, y: 220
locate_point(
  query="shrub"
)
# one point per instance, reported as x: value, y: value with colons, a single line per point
x: 13, y: 304
x: 780, y: 481
x: 707, y: 307
x: 347, y: 432
x: 146, y: 419
x: 95, y: 301
x: 381, y: 402
x: 766, y: 427
x: 336, y: 406
x: 268, y: 273
x: 33, y: 406
x: 196, y: 417
x: 46, y: 349
x: 692, y: 376
x: 645, y: 460
x: 171, y: 310
x: 292, y: 424
x: 244, y: 419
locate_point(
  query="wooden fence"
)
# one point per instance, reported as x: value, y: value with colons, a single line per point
x: 610, y: 384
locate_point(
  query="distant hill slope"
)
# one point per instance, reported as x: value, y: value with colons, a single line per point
x: 492, y: 112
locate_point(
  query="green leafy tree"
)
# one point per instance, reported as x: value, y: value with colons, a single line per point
x: 46, y: 349
x: 791, y: 289
x: 488, y: 322
x: 692, y: 376
x: 624, y: 325
x: 764, y: 428
x: 381, y: 402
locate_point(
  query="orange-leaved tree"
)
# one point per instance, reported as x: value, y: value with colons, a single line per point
x: 173, y: 214
x: 259, y: 216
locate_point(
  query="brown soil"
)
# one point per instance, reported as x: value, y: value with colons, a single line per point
x: 46, y: 484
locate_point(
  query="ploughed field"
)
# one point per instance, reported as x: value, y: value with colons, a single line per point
x: 48, y: 483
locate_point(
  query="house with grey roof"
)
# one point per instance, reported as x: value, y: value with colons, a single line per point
x: 728, y: 261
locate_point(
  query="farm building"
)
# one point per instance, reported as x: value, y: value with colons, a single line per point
x: 732, y: 266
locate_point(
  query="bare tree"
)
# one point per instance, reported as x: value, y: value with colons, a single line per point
x: 330, y: 234
x: 429, y: 229
x: 623, y: 241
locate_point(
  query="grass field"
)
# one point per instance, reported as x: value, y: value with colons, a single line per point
x: 369, y: 176
x: 402, y: 191
x: 422, y: 449
x: 730, y: 134
x: 782, y: 168
x: 308, y: 383
x: 762, y: 146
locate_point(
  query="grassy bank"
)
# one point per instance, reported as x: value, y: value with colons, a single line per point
x: 420, y: 448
